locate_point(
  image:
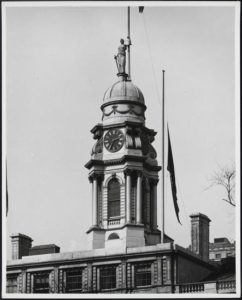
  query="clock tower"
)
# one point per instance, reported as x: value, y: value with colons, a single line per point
x: 123, y: 171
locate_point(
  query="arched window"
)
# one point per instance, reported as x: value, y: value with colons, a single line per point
x: 113, y: 198
x: 113, y: 236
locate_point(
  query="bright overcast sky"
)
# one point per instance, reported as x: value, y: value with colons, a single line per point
x: 59, y: 64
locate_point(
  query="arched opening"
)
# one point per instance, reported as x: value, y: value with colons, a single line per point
x: 113, y: 198
x: 113, y: 236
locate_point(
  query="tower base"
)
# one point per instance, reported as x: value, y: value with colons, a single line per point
x: 129, y: 235
x: 126, y: 236
x: 96, y: 238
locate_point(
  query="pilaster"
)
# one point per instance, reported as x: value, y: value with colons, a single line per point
x: 139, y: 198
x: 128, y: 195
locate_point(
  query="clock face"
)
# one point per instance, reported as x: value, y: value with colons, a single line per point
x: 114, y: 140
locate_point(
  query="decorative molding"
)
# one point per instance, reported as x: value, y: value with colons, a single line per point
x: 61, y: 281
x: 114, y: 103
x: 130, y: 110
x: 112, y: 176
x: 98, y: 147
x: 85, y: 280
x: 153, y: 181
x: 137, y: 125
x: 94, y: 278
x: 120, y: 161
x: 152, y: 153
x: 28, y: 287
x: 98, y: 177
x: 20, y: 283
x: 98, y: 134
x: 94, y: 228
x: 128, y: 172
x: 139, y: 173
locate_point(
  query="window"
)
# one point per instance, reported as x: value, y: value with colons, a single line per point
x: 217, y: 255
x: 113, y: 198
x: 143, y: 274
x: 12, y: 286
x: 108, y: 277
x: 41, y: 282
x: 113, y: 236
x: 74, y: 281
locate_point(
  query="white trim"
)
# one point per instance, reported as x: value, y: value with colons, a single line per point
x: 133, y: 260
x: 73, y: 266
x: 104, y: 263
x: 40, y: 269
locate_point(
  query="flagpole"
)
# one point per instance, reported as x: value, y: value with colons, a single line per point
x: 163, y: 158
x: 128, y: 37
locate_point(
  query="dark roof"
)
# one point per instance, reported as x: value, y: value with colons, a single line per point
x: 224, y: 276
x: 168, y: 239
x: 45, y: 246
x: 221, y: 245
x: 226, y: 270
x: 221, y: 240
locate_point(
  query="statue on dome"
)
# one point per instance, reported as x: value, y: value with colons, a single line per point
x: 121, y: 56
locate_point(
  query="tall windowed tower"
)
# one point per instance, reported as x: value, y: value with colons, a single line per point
x: 123, y: 171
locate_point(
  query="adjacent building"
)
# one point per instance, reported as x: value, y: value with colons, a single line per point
x: 221, y: 248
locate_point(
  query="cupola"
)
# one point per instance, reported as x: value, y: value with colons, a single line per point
x: 123, y: 101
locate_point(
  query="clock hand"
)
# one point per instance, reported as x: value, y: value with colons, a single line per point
x: 114, y: 140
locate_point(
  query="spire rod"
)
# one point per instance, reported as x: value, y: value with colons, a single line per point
x: 129, y: 43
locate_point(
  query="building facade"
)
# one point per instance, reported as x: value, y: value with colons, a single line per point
x: 220, y: 249
x: 162, y: 268
x: 126, y: 252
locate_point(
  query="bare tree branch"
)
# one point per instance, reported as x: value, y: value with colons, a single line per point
x: 225, y: 177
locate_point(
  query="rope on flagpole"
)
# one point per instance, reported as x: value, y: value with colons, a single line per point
x: 152, y: 65
x: 163, y: 131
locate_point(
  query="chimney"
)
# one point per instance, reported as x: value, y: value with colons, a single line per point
x: 20, y: 245
x: 200, y: 235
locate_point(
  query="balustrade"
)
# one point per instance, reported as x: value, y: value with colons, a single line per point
x: 191, y: 288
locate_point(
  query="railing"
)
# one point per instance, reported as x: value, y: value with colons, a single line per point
x: 114, y: 222
x: 219, y: 286
x: 191, y: 288
x: 226, y: 285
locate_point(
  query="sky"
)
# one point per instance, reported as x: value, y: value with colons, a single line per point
x: 59, y: 63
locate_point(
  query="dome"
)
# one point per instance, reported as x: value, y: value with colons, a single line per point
x: 123, y: 90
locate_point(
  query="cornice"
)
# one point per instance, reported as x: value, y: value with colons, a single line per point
x: 122, y: 160
x: 100, y: 126
x: 123, y: 102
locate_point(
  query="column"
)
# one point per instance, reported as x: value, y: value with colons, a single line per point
x: 154, y: 201
x: 94, y: 200
x: 139, y: 199
x: 128, y: 196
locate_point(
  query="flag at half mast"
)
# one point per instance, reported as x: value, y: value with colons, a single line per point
x: 170, y: 168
